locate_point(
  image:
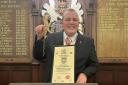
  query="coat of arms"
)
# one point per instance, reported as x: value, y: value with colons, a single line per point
x: 52, y: 13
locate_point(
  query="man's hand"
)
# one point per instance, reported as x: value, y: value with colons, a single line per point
x: 40, y: 31
x: 82, y: 78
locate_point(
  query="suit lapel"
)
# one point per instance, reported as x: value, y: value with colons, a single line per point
x: 59, y: 39
x: 79, y: 40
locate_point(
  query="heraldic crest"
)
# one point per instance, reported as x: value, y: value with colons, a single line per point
x: 52, y: 14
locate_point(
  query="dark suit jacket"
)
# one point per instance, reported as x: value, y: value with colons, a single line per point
x: 85, y: 55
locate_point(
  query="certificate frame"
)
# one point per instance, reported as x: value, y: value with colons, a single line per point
x: 63, y: 64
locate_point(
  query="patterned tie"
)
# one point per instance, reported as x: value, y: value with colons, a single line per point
x: 68, y: 41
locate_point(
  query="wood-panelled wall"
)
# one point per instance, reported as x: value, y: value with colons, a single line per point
x: 112, y: 74
x: 108, y: 74
x: 108, y: 44
x: 19, y: 73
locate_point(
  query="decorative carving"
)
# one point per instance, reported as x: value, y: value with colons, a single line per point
x: 55, y: 9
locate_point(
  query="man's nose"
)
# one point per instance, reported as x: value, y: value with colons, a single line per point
x: 71, y: 21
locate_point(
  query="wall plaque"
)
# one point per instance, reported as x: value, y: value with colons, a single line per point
x: 112, y: 31
x: 15, y: 30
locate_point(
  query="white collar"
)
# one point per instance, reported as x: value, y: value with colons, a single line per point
x: 73, y: 38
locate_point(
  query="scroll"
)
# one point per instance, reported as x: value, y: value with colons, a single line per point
x: 63, y: 65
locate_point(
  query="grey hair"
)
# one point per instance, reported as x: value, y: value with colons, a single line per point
x: 69, y: 10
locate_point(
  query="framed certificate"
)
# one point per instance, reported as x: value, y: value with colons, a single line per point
x: 63, y: 65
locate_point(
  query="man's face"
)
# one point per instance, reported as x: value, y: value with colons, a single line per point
x: 70, y: 23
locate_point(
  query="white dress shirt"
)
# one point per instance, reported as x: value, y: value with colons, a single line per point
x: 73, y: 38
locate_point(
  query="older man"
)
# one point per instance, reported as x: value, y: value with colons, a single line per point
x: 86, y: 63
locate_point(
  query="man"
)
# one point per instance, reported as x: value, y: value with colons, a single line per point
x: 86, y: 62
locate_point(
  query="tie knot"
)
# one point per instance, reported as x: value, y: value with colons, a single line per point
x: 68, y: 41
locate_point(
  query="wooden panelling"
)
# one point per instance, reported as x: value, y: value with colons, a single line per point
x: 112, y: 74
x: 105, y: 77
x: 4, y: 77
x: 108, y: 74
x: 24, y: 73
x: 122, y: 77
x: 19, y: 73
